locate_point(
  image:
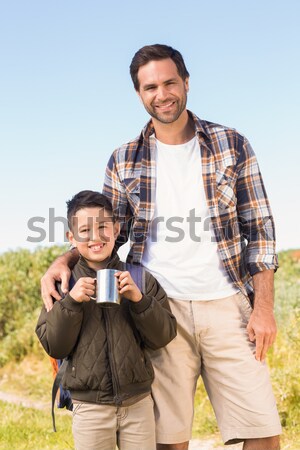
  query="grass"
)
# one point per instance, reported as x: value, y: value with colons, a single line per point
x: 30, y: 429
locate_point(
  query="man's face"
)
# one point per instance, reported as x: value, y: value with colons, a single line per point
x: 162, y: 91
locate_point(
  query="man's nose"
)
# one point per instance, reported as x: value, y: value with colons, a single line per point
x: 161, y: 93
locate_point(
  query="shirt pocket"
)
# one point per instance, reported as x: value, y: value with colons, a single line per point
x: 132, y: 188
x: 226, y: 180
x: 132, y: 185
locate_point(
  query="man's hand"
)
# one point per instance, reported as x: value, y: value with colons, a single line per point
x: 127, y: 287
x: 262, y: 326
x: 83, y: 290
x: 262, y: 329
x: 58, y: 271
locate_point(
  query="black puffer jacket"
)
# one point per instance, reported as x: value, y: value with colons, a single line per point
x: 105, y: 346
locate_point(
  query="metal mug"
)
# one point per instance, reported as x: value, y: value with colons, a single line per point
x: 107, y: 293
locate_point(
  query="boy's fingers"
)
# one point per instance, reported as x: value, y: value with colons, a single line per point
x: 90, y: 280
x: 125, y: 289
x: 89, y: 292
x: 124, y: 282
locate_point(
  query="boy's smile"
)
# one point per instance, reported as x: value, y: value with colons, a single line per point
x: 94, y: 234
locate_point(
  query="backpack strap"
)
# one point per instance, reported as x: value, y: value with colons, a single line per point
x: 56, y: 386
x: 138, y: 275
x: 65, y: 399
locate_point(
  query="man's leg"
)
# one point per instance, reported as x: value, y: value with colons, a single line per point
x: 237, y: 384
x: 182, y: 446
x: 177, y: 368
x: 270, y: 443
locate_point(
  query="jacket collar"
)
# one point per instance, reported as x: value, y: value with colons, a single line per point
x: 112, y: 263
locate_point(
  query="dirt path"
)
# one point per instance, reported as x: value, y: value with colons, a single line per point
x: 195, y: 444
x: 17, y: 400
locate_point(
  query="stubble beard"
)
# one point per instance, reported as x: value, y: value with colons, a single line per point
x: 165, y: 117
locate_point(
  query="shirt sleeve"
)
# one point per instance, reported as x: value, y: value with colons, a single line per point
x: 115, y: 191
x: 254, y: 213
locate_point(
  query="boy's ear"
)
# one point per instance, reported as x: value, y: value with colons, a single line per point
x: 116, y: 229
x: 70, y: 238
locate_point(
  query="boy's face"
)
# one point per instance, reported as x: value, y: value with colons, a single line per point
x: 94, y: 234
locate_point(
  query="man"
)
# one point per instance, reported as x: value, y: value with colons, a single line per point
x: 217, y: 269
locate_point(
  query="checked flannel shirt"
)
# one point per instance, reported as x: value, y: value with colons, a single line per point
x: 236, y: 198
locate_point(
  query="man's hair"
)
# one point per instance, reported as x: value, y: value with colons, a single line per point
x: 88, y: 199
x: 155, y: 53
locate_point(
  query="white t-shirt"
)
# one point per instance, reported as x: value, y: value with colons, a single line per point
x: 181, y: 251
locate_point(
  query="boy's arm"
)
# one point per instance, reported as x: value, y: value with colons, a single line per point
x: 153, y: 317
x: 59, y: 328
x: 58, y: 271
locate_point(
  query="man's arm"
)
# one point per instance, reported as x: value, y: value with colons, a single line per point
x: 262, y: 325
x: 58, y: 271
x: 255, y: 217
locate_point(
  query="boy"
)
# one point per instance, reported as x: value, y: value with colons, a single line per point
x: 109, y: 373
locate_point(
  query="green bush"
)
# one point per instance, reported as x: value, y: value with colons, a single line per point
x: 20, y: 299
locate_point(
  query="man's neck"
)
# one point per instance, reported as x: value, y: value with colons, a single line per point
x: 177, y: 132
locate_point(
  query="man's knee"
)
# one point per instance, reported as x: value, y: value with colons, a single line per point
x: 181, y: 446
x: 269, y: 443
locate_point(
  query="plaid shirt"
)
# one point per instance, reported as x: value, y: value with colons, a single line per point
x: 236, y: 198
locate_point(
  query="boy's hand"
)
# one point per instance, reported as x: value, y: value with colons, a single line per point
x: 127, y: 287
x: 83, y: 289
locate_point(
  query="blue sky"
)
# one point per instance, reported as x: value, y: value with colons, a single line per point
x: 67, y: 101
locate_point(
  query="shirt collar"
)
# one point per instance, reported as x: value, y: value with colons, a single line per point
x: 200, y: 127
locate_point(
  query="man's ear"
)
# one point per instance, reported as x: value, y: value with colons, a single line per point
x: 116, y: 229
x: 139, y: 95
x: 187, y: 84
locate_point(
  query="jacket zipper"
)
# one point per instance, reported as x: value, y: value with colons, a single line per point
x: 115, y: 381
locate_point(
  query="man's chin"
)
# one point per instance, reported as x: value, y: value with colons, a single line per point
x: 165, y: 118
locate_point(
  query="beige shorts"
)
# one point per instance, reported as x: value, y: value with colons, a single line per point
x: 212, y: 341
x: 102, y: 427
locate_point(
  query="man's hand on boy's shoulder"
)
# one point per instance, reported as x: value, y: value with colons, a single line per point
x: 83, y: 289
x: 127, y: 287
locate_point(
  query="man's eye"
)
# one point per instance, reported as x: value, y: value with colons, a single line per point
x: 84, y: 230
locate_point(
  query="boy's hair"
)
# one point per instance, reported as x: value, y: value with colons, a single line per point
x: 88, y: 199
x: 155, y: 53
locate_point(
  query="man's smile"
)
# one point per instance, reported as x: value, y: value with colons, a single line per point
x: 165, y: 106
